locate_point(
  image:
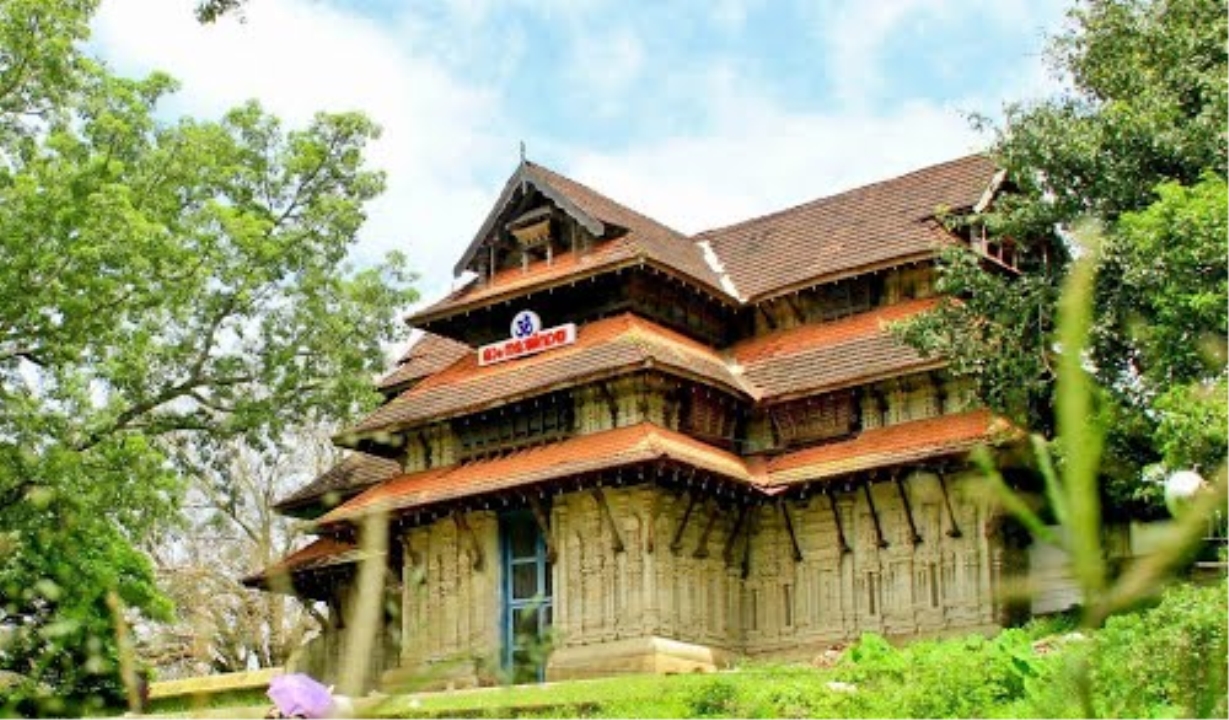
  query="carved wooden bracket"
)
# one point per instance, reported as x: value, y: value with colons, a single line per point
x: 840, y: 531
x: 953, y: 531
x: 617, y: 540
x: 464, y: 530
x: 677, y: 543
x: 539, y: 515
x: 880, y: 540
x: 789, y: 527
x: 751, y: 527
x: 650, y: 533
x: 702, y: 549
x: 728, y: 553
x: 612, y: 404
x: 904, y: 499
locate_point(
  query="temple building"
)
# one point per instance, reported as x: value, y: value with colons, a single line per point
x: 619, y: 448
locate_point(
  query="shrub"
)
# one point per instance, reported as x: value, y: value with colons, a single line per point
x: 1170, y: 658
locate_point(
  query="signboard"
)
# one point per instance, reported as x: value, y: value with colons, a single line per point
x: 528, y: 338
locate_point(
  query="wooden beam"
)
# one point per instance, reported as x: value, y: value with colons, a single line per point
x: 953, y: 531
x: 702, y: 549
x: 617, y: 540
x: 465, y: 530
x: 728, y: 553
x: 840, y: 530
x: 539, y: 515
x: 789, y: 527
x: 870, y: 500
x: 904, y: 499
x: 677, y: 543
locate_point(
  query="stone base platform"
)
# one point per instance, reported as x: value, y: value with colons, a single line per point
x: 635, y: 655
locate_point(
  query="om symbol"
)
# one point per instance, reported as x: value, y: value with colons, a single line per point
x: 525, y: 323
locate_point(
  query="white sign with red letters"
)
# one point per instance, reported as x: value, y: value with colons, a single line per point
x: 528, y: 338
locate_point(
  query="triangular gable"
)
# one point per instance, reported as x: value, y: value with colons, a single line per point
x: 527, y: 175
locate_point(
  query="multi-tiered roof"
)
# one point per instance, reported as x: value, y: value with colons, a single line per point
x: 743, y: 314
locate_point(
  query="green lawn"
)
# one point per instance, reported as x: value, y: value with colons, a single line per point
x: 1169, y: 660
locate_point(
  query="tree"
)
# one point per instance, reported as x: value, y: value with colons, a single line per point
x: 1136, y: 141
x: 228, y: 529
x: 164, y: 283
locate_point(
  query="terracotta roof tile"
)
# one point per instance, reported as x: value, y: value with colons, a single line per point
x: 645, y: 239
x: 812, y: 358
x: 323, y: 552
x: 587, y: 453
x: 428, y: 355
x: 604, y: 346
x: 892, y: 445
x: 355, y: 472
x: 868, y: 226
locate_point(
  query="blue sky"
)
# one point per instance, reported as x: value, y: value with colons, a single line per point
x: 696, y: 113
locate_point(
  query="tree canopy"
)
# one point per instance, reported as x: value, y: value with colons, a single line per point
x: 1136, y: 142
x: 166, y: 286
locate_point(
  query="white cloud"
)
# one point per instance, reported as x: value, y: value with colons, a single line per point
x: 769, y: 158
x: 440, y: 136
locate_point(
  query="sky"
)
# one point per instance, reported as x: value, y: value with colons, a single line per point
x: 698, y: 114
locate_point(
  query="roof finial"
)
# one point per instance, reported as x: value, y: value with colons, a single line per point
x: 522, y: 152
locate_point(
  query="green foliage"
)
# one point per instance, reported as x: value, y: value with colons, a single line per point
x: 1137, y: 143
x: 166, y: 286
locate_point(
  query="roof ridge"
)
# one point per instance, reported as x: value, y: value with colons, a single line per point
x: 824, y: 198
x: 552, y: 174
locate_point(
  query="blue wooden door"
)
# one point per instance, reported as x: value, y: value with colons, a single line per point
x: 527, y: 597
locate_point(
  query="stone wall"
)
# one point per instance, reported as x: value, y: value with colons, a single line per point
x: 644, y: 596
x: 450, y: 599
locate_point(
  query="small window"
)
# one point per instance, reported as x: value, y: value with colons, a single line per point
x: 787, y: 594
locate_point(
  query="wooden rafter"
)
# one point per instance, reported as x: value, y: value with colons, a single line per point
x: 677, y: 543
x: 954, y: 530
x: 650, y: 534
x: 728, y: 553
x: 464, y: 530
x: 870, y: 500
x: 840, y: 530
x: 702, y: 548
x: 914, y: 536
x: 789, y: 527
x: 616, y: 543
x: 751, y: 527
x: 539, y: 515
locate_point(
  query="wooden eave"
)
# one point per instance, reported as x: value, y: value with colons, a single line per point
x: 361, y: 440
x: 423, y: 319
x: 844, y: 274
x: 902, y: 372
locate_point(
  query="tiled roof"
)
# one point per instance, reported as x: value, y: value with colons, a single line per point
x: 892, y: 445
x: 812, y: 358
x: 428, y: 355
x: 602, y: 347
x: 356, y: 472
x: 587, y: 453
x: 646, y: 239
x: 324, y: 552
x: 865, y: 227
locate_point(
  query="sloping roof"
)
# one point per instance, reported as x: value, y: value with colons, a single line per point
x: 323, y: 552
x: 812, y: 358
x: 645, y: 240
x: 887, y: 446
x: 428, y: 355
x: 832, y: 236
x: 602, y: 347
x: 355, y: 472
x: 578, y: 455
